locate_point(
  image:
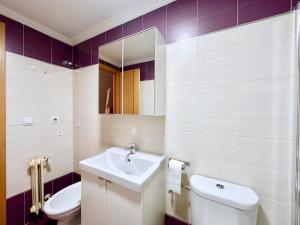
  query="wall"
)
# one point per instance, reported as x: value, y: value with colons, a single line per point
x: 185, y: 19
x: 177, y: 21
x: 230, y: 113
x: 93, y: 132
x: 231, y: 107
x: 39, y: 90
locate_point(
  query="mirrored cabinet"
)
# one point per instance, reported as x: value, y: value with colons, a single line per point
x: 132, y: 75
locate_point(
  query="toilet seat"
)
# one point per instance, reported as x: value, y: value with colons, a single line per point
x: 65, y: 202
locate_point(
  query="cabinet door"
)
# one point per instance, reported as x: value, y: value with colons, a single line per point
x: 124, y: 207
x: 93, y: 200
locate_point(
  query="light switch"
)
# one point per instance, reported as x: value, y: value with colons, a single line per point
x: 27, y: 121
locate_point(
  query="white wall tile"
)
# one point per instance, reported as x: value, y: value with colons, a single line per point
x: 237, y: 122
x: 217, y: 61
x: 266, y: 48
x: 38, y: 90
x: 217, y: 108
x: 181, y: 108
x: 266, y: 109
x: 182, y: 63
x: 274, y: 212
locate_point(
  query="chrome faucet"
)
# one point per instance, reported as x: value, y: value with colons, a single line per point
x: 132, y: 151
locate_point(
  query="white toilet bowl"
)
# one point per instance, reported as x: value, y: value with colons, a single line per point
x: 64, y: 206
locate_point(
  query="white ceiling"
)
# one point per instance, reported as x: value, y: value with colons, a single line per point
x: 78, y: 19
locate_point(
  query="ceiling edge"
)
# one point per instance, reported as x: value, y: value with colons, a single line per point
x: 35, y: 25
x: 123, y: 17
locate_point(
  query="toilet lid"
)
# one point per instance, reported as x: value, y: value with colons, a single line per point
x: 226, y: 193
x: 64, y: 201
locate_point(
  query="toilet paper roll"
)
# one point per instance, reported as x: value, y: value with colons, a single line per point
x: 175, y: 171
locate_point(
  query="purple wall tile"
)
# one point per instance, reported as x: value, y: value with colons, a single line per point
x: 96, y: 42
x: 294, y: 4
x: 133, y: 26
x: 15, y: 210
x: 83, y: 54
x: 157, y: 18
x: 37, y: 45
x: 13, y: 35
x: 18, y: 207
x: 76, y: 177
x: 28, y: 202
x: 60, y: 52
x: 250, y: 10
x: 62, y: 182
x: 181, y: 20
x: 143, y: 70
x: 216, y: 15
x: 48, y: 188
x: 114, y: 34
x: 150, y: 70
x: 170, y: 220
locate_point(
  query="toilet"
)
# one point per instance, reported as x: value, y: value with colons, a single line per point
x: 64, y: 206
x: 217, y: 202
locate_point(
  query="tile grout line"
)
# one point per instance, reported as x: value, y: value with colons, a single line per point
x: 237, y: 12
x: 51, y: 46
x: 91, y: 51
x: 198, y: 29
x: 166, y: 23
x: 23, y: 39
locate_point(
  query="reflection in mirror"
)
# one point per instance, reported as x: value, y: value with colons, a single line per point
x: 138, y: 73
x: 110, y: 78
x: 132, y: 75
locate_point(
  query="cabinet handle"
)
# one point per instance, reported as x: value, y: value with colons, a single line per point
x: 100, y: 178
x: 108, y: 181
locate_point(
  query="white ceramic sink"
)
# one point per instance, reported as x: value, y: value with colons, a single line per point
x: 133, y: 174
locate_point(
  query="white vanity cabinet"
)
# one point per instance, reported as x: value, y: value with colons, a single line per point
x: 123, y: 206
x: 93, y: 200
x: 107, y: 203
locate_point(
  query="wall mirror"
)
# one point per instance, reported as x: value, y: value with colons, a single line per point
x: 132, y: 75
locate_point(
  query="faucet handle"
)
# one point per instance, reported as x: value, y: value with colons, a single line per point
x: 132, y: 146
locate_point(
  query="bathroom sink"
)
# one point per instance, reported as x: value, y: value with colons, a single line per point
x: 132, y: 172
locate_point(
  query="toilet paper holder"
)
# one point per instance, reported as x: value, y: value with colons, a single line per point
x: 184, y: 165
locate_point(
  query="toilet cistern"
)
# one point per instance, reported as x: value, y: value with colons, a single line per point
x: 132, y: 150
